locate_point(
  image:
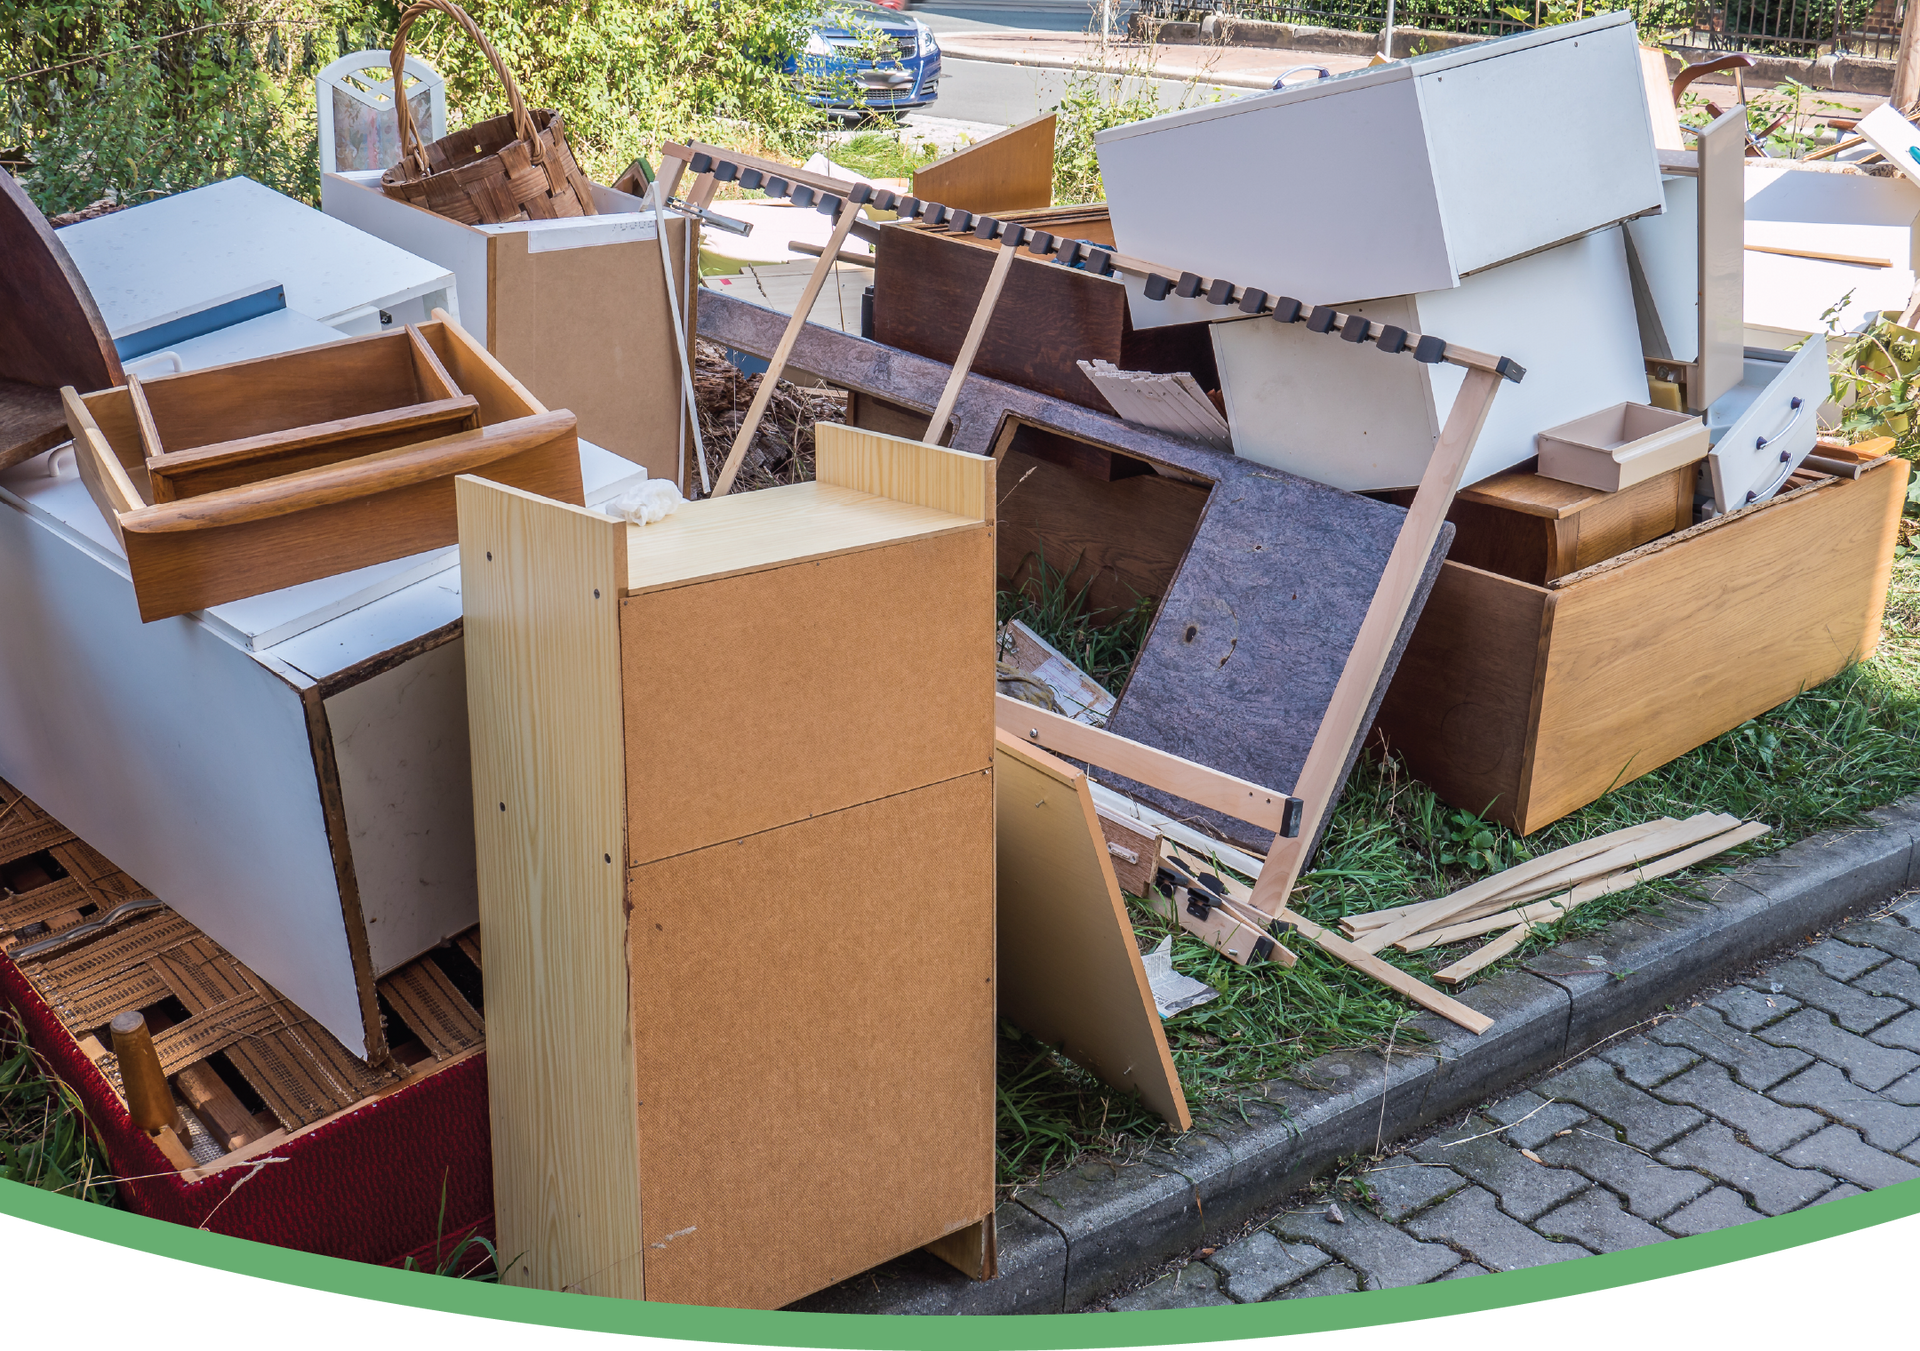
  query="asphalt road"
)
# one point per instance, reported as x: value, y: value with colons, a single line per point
x: 990, y: 91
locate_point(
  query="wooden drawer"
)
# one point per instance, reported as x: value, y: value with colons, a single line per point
x: 1526, y: 702
x: 1536, y: 529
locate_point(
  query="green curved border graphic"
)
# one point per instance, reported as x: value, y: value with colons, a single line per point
x: 885, y: 1332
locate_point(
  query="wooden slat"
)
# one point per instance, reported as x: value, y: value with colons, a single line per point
x: 1388, y: 975
x: 191, y: 473
x: 1325, y: 769
x: 543, y: 692
x: 1411, y: 919
x: 1484, y: 956
x: 907, y: 471
x: 970, y: 348
x: 1546, y: 912
x: 1069, y: 971
x: 1196, y: 783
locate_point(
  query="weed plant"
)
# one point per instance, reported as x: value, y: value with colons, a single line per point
x: 44, y: 1136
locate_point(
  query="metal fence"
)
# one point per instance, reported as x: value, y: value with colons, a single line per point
x: 1804, y: 28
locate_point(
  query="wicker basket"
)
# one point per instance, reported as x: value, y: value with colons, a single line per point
x: 514, y: 167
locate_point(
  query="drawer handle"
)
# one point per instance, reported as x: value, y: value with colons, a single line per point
x: 1786, y: 457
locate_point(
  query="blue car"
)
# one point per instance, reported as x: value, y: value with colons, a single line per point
x: 865, y: 57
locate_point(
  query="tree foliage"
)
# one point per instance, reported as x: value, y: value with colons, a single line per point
x: 131, y: 98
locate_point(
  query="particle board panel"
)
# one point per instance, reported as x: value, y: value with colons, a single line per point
x: 540, y: 587
x: 897, y: 641
x: 1263, y: 660
x: 1796, y: 594
x: 1011, y: 170
x: 834, y: 1109
x: 1070, y: 971
x: 1461, y: 710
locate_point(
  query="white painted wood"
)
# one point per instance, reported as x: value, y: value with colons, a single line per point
x: 1162, y: 402
x: 353, y: 102
x: 1776, y: 193
x: 1893, y: 136
x: 1665, y: 253
x: 269, y: 335
x: 1789, y: 298
x: 1396, y: 179
x: 1355, y: 417
x: 174, y: 253
x: 1759, y: 438
x: 400, y: 741
x: 178, y: 756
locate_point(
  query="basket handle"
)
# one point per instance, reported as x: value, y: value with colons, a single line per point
x: 410, y: 147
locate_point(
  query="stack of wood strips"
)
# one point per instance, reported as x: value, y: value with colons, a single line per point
x: 1544, y: 889
x: 235, y: 1024
x: 1168, y: 403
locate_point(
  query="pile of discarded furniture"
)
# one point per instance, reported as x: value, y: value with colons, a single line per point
x: 333, y: 622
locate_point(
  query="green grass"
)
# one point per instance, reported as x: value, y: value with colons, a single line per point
x: 1820, y: 760
x: 879, y: 154
x: 44, y: 1139
x: 1101, y: 645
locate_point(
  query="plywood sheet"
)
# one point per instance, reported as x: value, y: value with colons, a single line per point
x: 1718, y: 617
x: 542, y: 634
x: 829, y: 1104
x: 806, y: 688
x: 1070, y: 972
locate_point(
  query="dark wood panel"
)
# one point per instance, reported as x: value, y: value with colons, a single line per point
x: 1460, y: 708
x: 51, y: 333
x: 927, y: 285
x: 1121, y: 539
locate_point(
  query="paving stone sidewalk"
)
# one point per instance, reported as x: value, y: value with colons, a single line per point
x: 1800, y: 1086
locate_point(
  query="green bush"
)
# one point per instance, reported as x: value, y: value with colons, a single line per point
x: 131, y: 98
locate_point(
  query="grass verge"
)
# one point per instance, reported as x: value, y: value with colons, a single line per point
x: 44, y: 1137
x: 1821, y: 760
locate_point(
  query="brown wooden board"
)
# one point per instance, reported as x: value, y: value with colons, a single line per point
x: 1527, y: 703
x: 177, y: 570
x: 1070, y: 971
x: 1011, y: 170
x: 51, y: 333
x: 829, y: 1104
x: 1119, y: 534
x: 926, y: 282
x: 1536, y: 529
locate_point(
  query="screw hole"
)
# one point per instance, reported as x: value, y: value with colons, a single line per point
x: 503, y: 806
x: 489, y: 555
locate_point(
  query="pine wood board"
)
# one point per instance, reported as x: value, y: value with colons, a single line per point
x: 832, y: 1107
x: 904, y: 470
x: 1484, y: 956
x: 1070, y: 970
x: 773, y: 527
x: 542, y: 639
